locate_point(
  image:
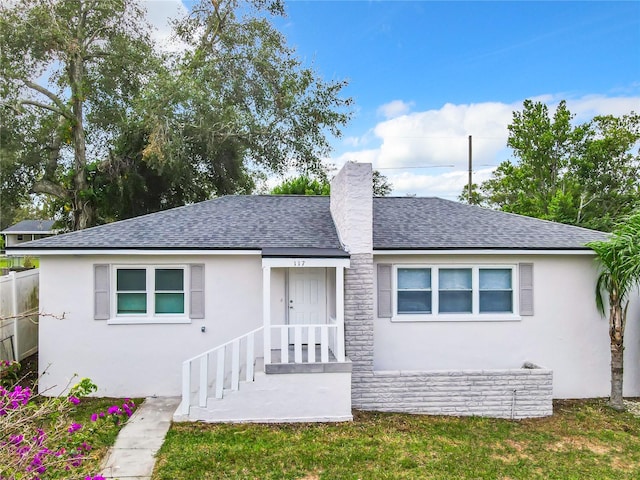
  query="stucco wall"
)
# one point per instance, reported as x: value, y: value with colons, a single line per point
x: 278, y: 296
x: 139, y: 360
x: 11, y: 239
x: 566, y: 334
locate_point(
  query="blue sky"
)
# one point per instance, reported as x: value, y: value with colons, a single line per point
x: 424, y: 75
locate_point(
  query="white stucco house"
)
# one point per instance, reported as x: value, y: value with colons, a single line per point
x: 298, y: 308
x: 27, y: 230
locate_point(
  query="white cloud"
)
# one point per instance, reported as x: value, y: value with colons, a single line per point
x: 446, y: 185
x: 159, y: 14
x: 353, y: 141
x: 425, y: 141
x: 362, y: 141
x: 394, y: 109
x: 586, y: 107
x: 440, y: 137
x: 366, y: 156
x: 589, y: 106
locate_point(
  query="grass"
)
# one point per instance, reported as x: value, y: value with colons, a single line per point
x: 582, y: 440
x: 8, y: 262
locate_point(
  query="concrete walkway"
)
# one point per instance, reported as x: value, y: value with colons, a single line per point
x: 133, y: 455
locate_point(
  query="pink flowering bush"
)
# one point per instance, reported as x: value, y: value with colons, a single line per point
x: 38, y: 439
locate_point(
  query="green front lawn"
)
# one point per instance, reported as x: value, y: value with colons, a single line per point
x: 7, y: 262
x: 583, y: 440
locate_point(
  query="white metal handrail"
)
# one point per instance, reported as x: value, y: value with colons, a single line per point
x: 220, y: 352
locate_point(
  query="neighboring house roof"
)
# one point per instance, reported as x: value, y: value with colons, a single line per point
x: 433, y: 223
x: 289, y: 225
x: 31, y: 227
x: 244, y: 222
x: 294, y: 252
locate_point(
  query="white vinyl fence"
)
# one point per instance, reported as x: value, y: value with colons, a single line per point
x: 19, y: 314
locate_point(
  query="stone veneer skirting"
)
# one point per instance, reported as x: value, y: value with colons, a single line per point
x: 358, y: 319
x: 517, y: 393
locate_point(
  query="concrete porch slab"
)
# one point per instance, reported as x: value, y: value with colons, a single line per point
x: 277, y: 366
x: 302, y: 397
x: 284, y: 368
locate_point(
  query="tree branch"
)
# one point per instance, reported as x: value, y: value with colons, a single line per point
x: 11, y: 107
x: 46, y: 107
x: 213, y: 29
x: 89, y: 41
x: 51, y: 96
x: 54, y: 151
x: 50, y: 188
x: 30, y: 314
x: 90, y: 56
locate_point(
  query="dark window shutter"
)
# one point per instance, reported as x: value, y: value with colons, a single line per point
x: 196, y: 308
x: 101, y: 292
x: 526, y: 289
x: 385, y: 309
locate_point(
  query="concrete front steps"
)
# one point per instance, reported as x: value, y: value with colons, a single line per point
x: 318, y: 392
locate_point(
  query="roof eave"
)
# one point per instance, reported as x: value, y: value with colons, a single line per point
x: 484, y: 251
x: 51, y: 251
x: 304, y: 252
x: 29, y: 232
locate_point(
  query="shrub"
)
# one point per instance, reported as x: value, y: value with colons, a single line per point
x: 9, y: 371
x: 38, y: 439
x: 28, y: 262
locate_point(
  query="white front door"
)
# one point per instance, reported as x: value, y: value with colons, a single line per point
x: 307, y: 297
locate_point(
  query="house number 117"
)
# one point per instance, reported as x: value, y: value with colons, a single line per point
x: 298, y: 263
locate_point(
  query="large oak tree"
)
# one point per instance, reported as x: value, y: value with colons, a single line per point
x: 119, y: 128
x: 69, y: 71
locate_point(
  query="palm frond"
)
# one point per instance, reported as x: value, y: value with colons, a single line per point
x: 619, y: 260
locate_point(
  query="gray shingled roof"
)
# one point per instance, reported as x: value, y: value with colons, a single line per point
x: 232, y: 222
x: 304, y: 222
x: 434, y: 223
x: 28, y: 226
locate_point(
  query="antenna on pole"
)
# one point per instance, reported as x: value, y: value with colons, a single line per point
x: 470, y: 170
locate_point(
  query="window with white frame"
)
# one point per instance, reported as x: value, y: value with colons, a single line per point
x: 150, y: 291
x: 495, y: 287
x: 454, y: 291
x: 414, y: 290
